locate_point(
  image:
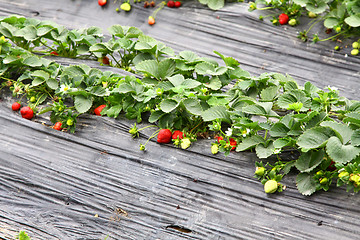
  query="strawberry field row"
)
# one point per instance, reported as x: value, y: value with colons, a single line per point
x: 268, y: 114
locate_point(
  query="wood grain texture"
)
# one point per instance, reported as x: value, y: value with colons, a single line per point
x: 52, y: 184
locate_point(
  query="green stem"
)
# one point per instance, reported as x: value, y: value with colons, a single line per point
x: 329, y: 38
x: 117, y: 63
x: 146, y: 127
x: 47, y: 46
x: 265, y: 8
x: 152, y: 135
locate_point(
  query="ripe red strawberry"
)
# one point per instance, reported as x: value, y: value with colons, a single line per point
x: 233, y: 143
x: 146, y: 4
x: 219, y: 139
x: 98, y: 110
x: 16, y: 106
x: 27, y: 112
x: 105, y: 60
x: 171, y: 4
x: 152, y: 4
x: 54, y: 53
x: 151, y: 20
x: 164, y: 136
x: 177, y: 134
x: 177, y: 4
x: 57, y: 126
x: 102, y: 2
x: 283, y: 18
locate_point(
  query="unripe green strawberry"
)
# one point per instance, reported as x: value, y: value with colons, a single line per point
x: 324, y: 181
x: 354, y: 178
x: 338, y: 29
x: 355, y: 52
x: 32, y: 99
x: 292, y: 22
x: 336, y: 48
x: 343, y: 174
x: 312, y: 15
x: 142, y: 147
x: 270, y: 186
x: 260, y: 171
x: 320, y: 173
x: 275, y: 21
x: 355, y: 45
x: 214, y: 148
x: 125, y: 6
x: 70, y: 122
x: 185, y: 143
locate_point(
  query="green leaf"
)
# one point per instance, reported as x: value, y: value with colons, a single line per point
x: 309, y: 160
x: 269, y: 94
x: 314, y: 138
x: 282, y: 142
x: 23, y: 236
x: 342, y: 131
x: 305, y: 184
x: 279, y: 129
x: 11, y: 59
x: 353, y: 118
x: 193, y: 106
x: 98, y: 91
x: 216, y: 112
x: 294, y: 96
x: 264, y: 152
x: 100, y: 47
x: 318, y: 7
x: 302, y: 3
x: 249, y: 142
x: 156, y: 115
x: 29, y: 33
x: 32, y: 61
x: 214, y: 84
x: 355, y: 138
x: 52, y: 83
x: 331, y: 22
x: 168, y: 105
x: 339, y: 152
x: 206, y: 68
x: 37, y: 81
x: 189, y: 57
x: 149, y: 67
x: 41, y: 74
x: 260, y: 109
x: 82, y: 103
x: 353, y: 21
x: 310, y: 89
x: 176, y: 80
x: 213, y: 4
x: 166, y: 68
x: 114, y: 111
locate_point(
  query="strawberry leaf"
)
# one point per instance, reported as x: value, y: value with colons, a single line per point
x: 342, y: 131
x: 216, y: 112
x: 82, y: 103
x: 316, y: 137
x: 309, y: 160
x: 249, y: 142
x: 168, y: 105
x: 339, y: 152
x: 263, y: 151
x: 305, y: 184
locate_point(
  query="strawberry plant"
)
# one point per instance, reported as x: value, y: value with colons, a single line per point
x: 269, y: 114
x: 343, y: 16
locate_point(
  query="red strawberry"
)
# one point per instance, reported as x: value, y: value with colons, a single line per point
x: 27, y: 112
x: 177, y: 4
x: 105, y: 60
x: 233, y: 143
x: 16, y: 106
x: 152, y: 4
x: 146, y: 4
x: 171, y: 4
x: 177, y: 134
x: 164, y: 136
x: 283, y: 19
x: 219, y: 139
x: 102, y: 2
x: 151, y: 20
x: 57, y: 126
x: 54, y: 53
x: 98, y: 110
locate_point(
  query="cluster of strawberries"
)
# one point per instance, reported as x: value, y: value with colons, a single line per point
x: 165, y: 135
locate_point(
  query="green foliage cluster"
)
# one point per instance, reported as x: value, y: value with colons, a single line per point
x: 268, y: 114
